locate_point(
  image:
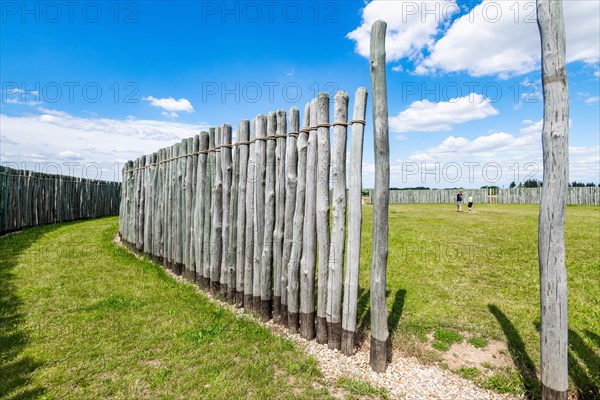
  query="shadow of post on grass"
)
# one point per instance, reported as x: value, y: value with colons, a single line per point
x: 516, y: 348
x: 364, y: 313
x: 15, y: 368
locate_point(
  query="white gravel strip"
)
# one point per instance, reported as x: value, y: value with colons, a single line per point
x: 405, y: 377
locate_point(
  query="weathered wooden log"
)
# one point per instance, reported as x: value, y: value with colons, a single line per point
x: 243, y: 138
x: 279, y: 212
x: 291, y: 182
x: 216, y: 234
x: 554, y: 343
x: 179, y: 206
x: 201, y: 179
x: 226, y: 210
x: 293, y: 269
x: 338, y: 225
x: 259, y: 204
x: 266, y: 270
x: 188, y: 211
x: 233, y: 212
x: 323, y: 238
x: 349, y: 313
x: 379, y: 318
x: 309, y: 244
x: 250, y: 227
x: 208, y: 200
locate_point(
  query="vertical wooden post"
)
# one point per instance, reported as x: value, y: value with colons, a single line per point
x: 293, y: 287
x: 259, y: 208
x: 309, y: 244
x: 242, y: 149
x: 551, y: 241
x: 291, y: 181
x: 279, y: 212
x: 266, y: 270
x: 338, y: 228
x: 188, y: 268
x: 323, y: 239
x: 379, y: 317
x: 233, y: 212
x: 201, y: 179
x: 216, y: 235
x: 226, y: 211
x: 250, y: 228
x: 208, y: 200
x: 349, y: 313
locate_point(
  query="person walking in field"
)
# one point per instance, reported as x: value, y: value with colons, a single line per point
x: 459, y: 200
x: 470, y: 204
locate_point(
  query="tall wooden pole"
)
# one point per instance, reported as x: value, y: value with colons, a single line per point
x: 226, y: 176
x: 349, y: 312
x: 551, y: 240
x: 293, y: 286
x: 200, y: 204
x: 242, y: 150
x: 323, y: 240
x: 338, y: 226
x: 291, y: 181
x: 309, y: 244
x: 208, y: 194
x: 233, y: 207
x: 379, y: 317
x: 250, y: 230
x: 279, y: 213
x: 266, y: 270
x: 259, y: 207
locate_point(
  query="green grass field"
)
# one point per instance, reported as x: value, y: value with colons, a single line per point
x: 477, y: 274
x: 82, y: 318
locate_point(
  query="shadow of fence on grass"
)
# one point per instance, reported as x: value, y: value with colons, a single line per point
x: 15, y: 368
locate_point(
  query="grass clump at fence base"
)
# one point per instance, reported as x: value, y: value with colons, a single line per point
x: 477, y: 273
x: 361, y: 388
x: 82, y: 318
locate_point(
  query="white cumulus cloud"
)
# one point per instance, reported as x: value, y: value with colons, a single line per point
x: 410, y: 25
x: 427, y: 116
x: 170, y: 105
x: 502, y: 38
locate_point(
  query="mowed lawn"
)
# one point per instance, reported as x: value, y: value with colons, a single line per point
x: 477, y: 274
x: 81, y: 318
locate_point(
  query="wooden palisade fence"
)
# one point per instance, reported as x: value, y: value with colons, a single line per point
x: 248, y: 219
x: 575, y: 196
x: 29, y: 198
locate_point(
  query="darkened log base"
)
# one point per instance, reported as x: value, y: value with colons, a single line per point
x: 204, y: 283
x: 334, y: 335
x: 551, y: 394
x: 247, y: 303
x: 293, y: 322
x: 277, y: 309
x: 223, y: 292
x: 283, y: 318
x: 347, y: 345
x: 188, y: 275
x: 256, y: 305
x: 239, y: 299
x: 265, y: 310
x: 178, y: 268
x: 215, y: 287
x: 307, y: 325
x: 378, y: 356
x: 321, y: 330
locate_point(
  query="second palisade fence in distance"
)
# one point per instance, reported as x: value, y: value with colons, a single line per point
x: 242, y: 219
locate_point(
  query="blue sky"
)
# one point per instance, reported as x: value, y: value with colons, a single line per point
x: 89, y: 85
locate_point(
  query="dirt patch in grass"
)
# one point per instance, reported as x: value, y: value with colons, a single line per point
x: 464, y: 354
